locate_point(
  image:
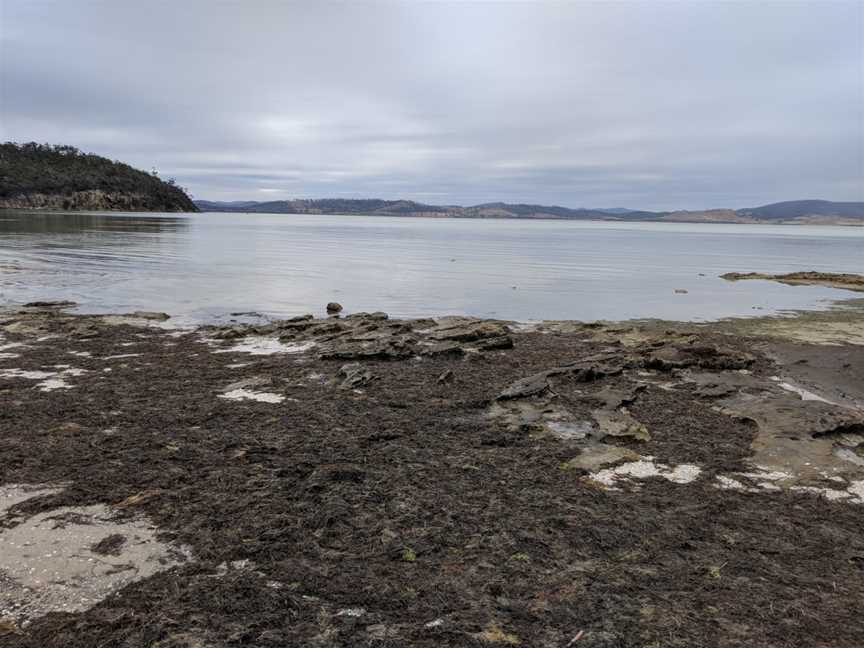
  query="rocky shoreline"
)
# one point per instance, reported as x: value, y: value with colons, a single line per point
x: 842, y: 281
x: 362, y: 480
x: 88, y: 200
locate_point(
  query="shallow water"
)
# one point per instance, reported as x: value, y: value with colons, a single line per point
x: 202, y: 267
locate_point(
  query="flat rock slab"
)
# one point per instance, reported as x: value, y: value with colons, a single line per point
x: 612, y: 398
x: 842, y: 281
x: 597, y: 455
x: 471, y: 332
x: 801, y: 438
x: 525, y: 387
x: 620, y: 424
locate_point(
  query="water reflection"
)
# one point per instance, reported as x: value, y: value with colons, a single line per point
x: 35, y: 222
x: 81, y: 255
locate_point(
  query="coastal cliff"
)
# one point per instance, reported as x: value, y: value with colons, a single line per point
x: 41, y: 176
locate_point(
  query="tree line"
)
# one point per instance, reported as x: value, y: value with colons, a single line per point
x: 34, y: 168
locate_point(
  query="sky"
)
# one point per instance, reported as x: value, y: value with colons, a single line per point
x: 654, y: 105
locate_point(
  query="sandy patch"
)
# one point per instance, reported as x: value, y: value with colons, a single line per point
x: 266, y: 346
x: 48, y: 380
x: 760, y: 481
x: 248, y: 394
x: 70, y: 558
x: 646, y: 468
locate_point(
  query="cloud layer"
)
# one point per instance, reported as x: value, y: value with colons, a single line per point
x: 646, y: 104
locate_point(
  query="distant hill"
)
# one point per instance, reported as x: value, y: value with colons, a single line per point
x: 616, y: 210
x: 376, y: 207
x: 795, y: 212
x: 325, y: 206
x: 41, y: 176
x: 800, y: 208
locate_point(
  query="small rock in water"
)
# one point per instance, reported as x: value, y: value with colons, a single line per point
x: 50, y: 304
x: 680, y: 291
x: 334, y: 307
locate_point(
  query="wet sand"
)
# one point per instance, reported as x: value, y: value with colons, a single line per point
x: 361, y: 481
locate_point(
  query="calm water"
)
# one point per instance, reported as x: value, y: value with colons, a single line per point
x: 202, y: 267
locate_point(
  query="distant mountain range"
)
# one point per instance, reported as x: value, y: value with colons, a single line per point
x: 792, y: 212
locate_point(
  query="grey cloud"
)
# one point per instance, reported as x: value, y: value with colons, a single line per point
x: 646, y: 104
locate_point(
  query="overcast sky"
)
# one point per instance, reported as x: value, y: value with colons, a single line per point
x: 659, y: 105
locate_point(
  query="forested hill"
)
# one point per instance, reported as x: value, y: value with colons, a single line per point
x: 42, y: 176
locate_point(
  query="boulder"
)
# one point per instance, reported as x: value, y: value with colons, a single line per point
x: 386, y: 349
